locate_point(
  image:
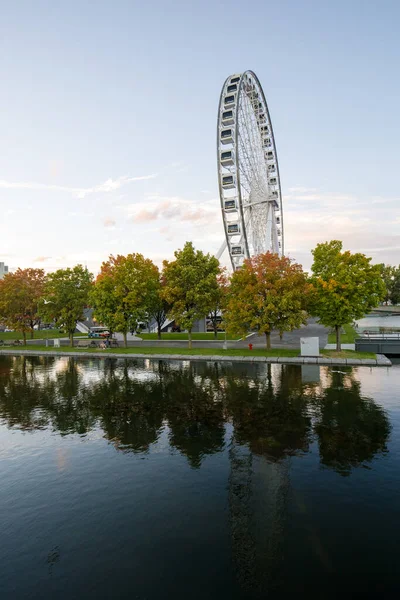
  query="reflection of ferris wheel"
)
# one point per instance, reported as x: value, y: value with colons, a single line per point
x: 248, y: 172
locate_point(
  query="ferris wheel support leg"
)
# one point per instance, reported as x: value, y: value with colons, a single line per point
x: 221, y: 250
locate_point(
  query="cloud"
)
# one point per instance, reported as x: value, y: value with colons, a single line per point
x: 110, y: 185
x: 363, y: 224
x: 301, y: 189
x: 174, y: 208
x: 109, y: 222
x: 144, y: 216
x: 41, y: 259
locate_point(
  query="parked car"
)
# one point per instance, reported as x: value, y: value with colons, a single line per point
x: 99, y: 332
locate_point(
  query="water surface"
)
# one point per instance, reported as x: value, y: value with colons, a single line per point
x: 155, y: 479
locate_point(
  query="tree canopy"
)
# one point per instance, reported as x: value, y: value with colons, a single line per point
x: 268, y: 292
x: 124, y: 292
x: 20, y: 293
x: 345, y: 286
x: 190, y: 286
x: 391, y: 279
x: 66, y: 294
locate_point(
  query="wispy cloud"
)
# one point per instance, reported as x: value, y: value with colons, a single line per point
x: 301, y: 189
x: 173, y: 208
x: 41, y: 259
x: 110, y: 185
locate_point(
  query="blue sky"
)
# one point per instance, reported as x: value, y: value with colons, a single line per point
x: 108, y: 116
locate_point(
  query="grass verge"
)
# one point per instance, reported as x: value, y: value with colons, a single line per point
x: 277, y: 352
x: 347, y: 337
x: 48, y: 334
x: 184, y: 336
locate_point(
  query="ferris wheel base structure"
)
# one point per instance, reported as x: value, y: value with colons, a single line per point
x: 248, y: 171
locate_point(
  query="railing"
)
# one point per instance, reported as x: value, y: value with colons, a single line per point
x: 373, y: 335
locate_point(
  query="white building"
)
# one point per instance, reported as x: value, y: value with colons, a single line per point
x: 3, y: 270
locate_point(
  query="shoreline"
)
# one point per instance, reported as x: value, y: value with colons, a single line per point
x: 380, y: 361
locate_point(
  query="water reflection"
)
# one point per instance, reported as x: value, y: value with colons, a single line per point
x: 274, y: 412
x: 351, y: 429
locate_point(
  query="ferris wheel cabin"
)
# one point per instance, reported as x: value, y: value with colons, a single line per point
x: 231, y: 205
x: 227, y: 158
x: 228, y: 182
x: 227, y: 136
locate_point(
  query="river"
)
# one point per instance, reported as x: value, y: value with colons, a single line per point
x: 155, y: 479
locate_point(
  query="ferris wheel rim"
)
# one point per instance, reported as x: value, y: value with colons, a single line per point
x: 276, y: 236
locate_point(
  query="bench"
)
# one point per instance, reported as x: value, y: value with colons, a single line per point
x: 83, y: 344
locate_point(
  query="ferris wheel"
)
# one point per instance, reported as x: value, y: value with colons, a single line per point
x: 248, y: 172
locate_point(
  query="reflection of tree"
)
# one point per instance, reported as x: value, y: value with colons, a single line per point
x: 195, y: 417
x: 273, y: 414
x: 351, y: 429
x: 24, y: 395
x: 130, y: 411
x: 273, y: 420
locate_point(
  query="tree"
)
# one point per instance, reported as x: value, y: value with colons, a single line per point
x: 391, y: 279
x: 219, y: 298
x: 158, y: 306
x: 20, y: 293
x: 66, y: 294
x: 387, y: 272
x: 124, y: 291
x: 190, y: 286
x: 345, y: 286
x: 395, y: 289
x: 268, y: 292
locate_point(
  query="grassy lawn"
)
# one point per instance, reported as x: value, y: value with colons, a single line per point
x: 184, y: 336
x: 348, y: 354
x: 39, y: 335
x: 278, y: 352
x: 345, y: 338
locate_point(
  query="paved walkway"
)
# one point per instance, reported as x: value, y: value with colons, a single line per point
x: 290, y: 339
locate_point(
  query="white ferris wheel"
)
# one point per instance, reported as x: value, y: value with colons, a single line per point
x: 248, y: 172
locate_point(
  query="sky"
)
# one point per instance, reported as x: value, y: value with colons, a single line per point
x: 108, y: 124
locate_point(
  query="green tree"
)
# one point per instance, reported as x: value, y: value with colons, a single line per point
x: 158, y: 305
x: 190, y: 286
x: 66, y: 294
x: 219, y: 301
x: 124, y: 291
x: 20, y: 294
x: 345, y: 286
x: 387, y: 272
x: 395, y: 288
x: 391, y: 279
x: 268, y: 292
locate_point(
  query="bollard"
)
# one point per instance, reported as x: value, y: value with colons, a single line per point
x: 250, y: 346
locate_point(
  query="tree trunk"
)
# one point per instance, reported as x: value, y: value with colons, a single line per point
x: 337, y: 330
x: 32, y: 334
x: 125, y: 339
x: 71, y: 339
x: 268, y: 338
x: 215, y: 331
x: 190, y: 338
x: 159, y: 331
x: 24, y: 334
x: 280, y: 335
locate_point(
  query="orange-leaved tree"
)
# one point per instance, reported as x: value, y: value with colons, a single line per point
x: 268, y: 292
x: 20, y: 293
